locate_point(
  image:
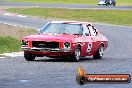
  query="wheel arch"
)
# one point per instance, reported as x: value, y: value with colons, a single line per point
x: 102, y: 44
x: 78, y: 46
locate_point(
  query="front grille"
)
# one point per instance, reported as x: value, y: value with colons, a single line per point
x: 43, y: 44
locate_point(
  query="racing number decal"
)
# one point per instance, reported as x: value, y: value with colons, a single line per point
x: 89, y: 47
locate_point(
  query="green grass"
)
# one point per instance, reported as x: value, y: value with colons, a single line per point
x: 58, y: 1
x: 9, y: 44
x: 10, y: 37
x: 105, y: 16
x: 119, y: 2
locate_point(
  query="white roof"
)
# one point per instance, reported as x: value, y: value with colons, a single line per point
x: 70, y: 22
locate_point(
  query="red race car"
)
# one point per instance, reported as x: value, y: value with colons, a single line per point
x: 71, y: 39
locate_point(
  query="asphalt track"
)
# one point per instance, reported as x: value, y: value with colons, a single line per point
x: 54, y: 73
x: 71, y: 6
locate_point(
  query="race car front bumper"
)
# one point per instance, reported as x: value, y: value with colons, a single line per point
x: 34, y: 49
x: 48, y: 51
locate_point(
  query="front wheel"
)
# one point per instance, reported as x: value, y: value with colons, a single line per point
x: 77, y: 53
x: 107, y: 3
x: 99, y: 53
x: 29, y: 57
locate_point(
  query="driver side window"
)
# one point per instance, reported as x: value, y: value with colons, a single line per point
x: 86, y: 30
x: 92, y: 31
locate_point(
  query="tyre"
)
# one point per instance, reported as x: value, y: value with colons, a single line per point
x: 29, y: 57
x: 77, y: 53
x: 107, y: 3
x: 99, y: 53
x: 114, y: 4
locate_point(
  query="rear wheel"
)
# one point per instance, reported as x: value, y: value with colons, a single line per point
x: 77, y: 53
x: 99, y: 53
x: 114, y: 4
x: 29, y: 57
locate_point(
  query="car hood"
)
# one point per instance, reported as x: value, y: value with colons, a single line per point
x: 52, y: 37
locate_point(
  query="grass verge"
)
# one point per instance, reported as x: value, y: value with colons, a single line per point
x: 10, y: 37
x: 94, y: 2
x: 9, y: 44
x: 106, y: 16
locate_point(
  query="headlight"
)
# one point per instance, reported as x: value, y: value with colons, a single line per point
x: 66, y: 45
x: 24, y: 42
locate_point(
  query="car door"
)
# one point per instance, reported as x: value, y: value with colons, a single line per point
x: 85, y: 39
x: 94, y: 44
x: 89, y: 38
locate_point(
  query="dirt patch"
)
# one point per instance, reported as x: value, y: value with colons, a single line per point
x: 15, y: 31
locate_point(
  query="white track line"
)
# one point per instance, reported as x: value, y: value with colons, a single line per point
x: 9, y: 14
x: 17, y: 25
x: 13, y: 14
x: 21, y: 16
x: 13, y: 54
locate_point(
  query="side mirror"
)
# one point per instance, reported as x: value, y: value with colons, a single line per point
x: 40, y: 31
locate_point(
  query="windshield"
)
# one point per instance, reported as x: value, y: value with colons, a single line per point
x: 61, y: 28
